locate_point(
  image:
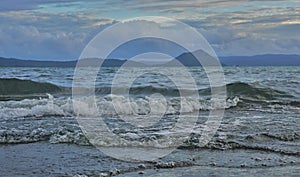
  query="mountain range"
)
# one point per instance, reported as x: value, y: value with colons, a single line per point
x: 186, y: 59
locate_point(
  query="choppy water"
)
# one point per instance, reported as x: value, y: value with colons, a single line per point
x: 262, y: 107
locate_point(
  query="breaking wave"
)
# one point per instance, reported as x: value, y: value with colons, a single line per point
x: 68, y: 131
x: 35, y: 100
x: 63, y: 106
x: 16, y: 89
x: 11, y: 88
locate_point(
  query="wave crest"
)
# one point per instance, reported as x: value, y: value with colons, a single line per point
x: 12, y: 88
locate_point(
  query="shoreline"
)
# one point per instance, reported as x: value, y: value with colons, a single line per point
x: 46, y: 159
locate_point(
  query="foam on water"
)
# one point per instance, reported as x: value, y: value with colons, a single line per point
x: 63, y: 106
x: 36, y: 108
x: 229, y: 136
x: 261, y: 111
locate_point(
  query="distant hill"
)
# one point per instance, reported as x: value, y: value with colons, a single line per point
x: 262, y: 60
x: 12, y: 62
x: 189, y: 59
x: 186, y: 59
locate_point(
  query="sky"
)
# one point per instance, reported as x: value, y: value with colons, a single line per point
x: 60, y: 29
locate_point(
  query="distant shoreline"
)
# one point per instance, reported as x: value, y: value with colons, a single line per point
x: 187, y: 59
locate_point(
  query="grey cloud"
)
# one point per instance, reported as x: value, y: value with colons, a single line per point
x: 61, y: 35
x: 251, y: 46
x: 255, y: 32
x: 56, y: 37
x: 28, y: 42
x: 16, y: 5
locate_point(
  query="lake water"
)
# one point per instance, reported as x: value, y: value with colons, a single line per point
x: 259, y: 131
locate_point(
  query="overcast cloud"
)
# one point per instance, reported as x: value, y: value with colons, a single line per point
x: 59, y: 30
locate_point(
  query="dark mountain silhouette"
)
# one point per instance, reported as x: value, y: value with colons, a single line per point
x: 12, y: 62
x: 189, y: 59
x: 262, y: 60
x: 108, y: 63
x: 186, y: 59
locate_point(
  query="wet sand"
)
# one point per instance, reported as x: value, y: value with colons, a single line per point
x: 46, y: 159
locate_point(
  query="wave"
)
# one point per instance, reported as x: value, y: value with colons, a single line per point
x: 261, y: 97
x: 234, y: 145
x: 144, y: 90
x: 40, y: 104
x: 285, y: 143
x: 54, y: 131
x: 12, y: 88
x: 33, y: 99
x: 64, y: 106
x: 282, y: 137
x: 245, y: 90
x: 68, y: 131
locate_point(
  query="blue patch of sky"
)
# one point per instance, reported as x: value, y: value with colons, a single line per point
x: 63, y: 7
x: 250, y: 6
x: 98, y: 9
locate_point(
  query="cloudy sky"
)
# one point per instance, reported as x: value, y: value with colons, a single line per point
x: 59, y: 30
